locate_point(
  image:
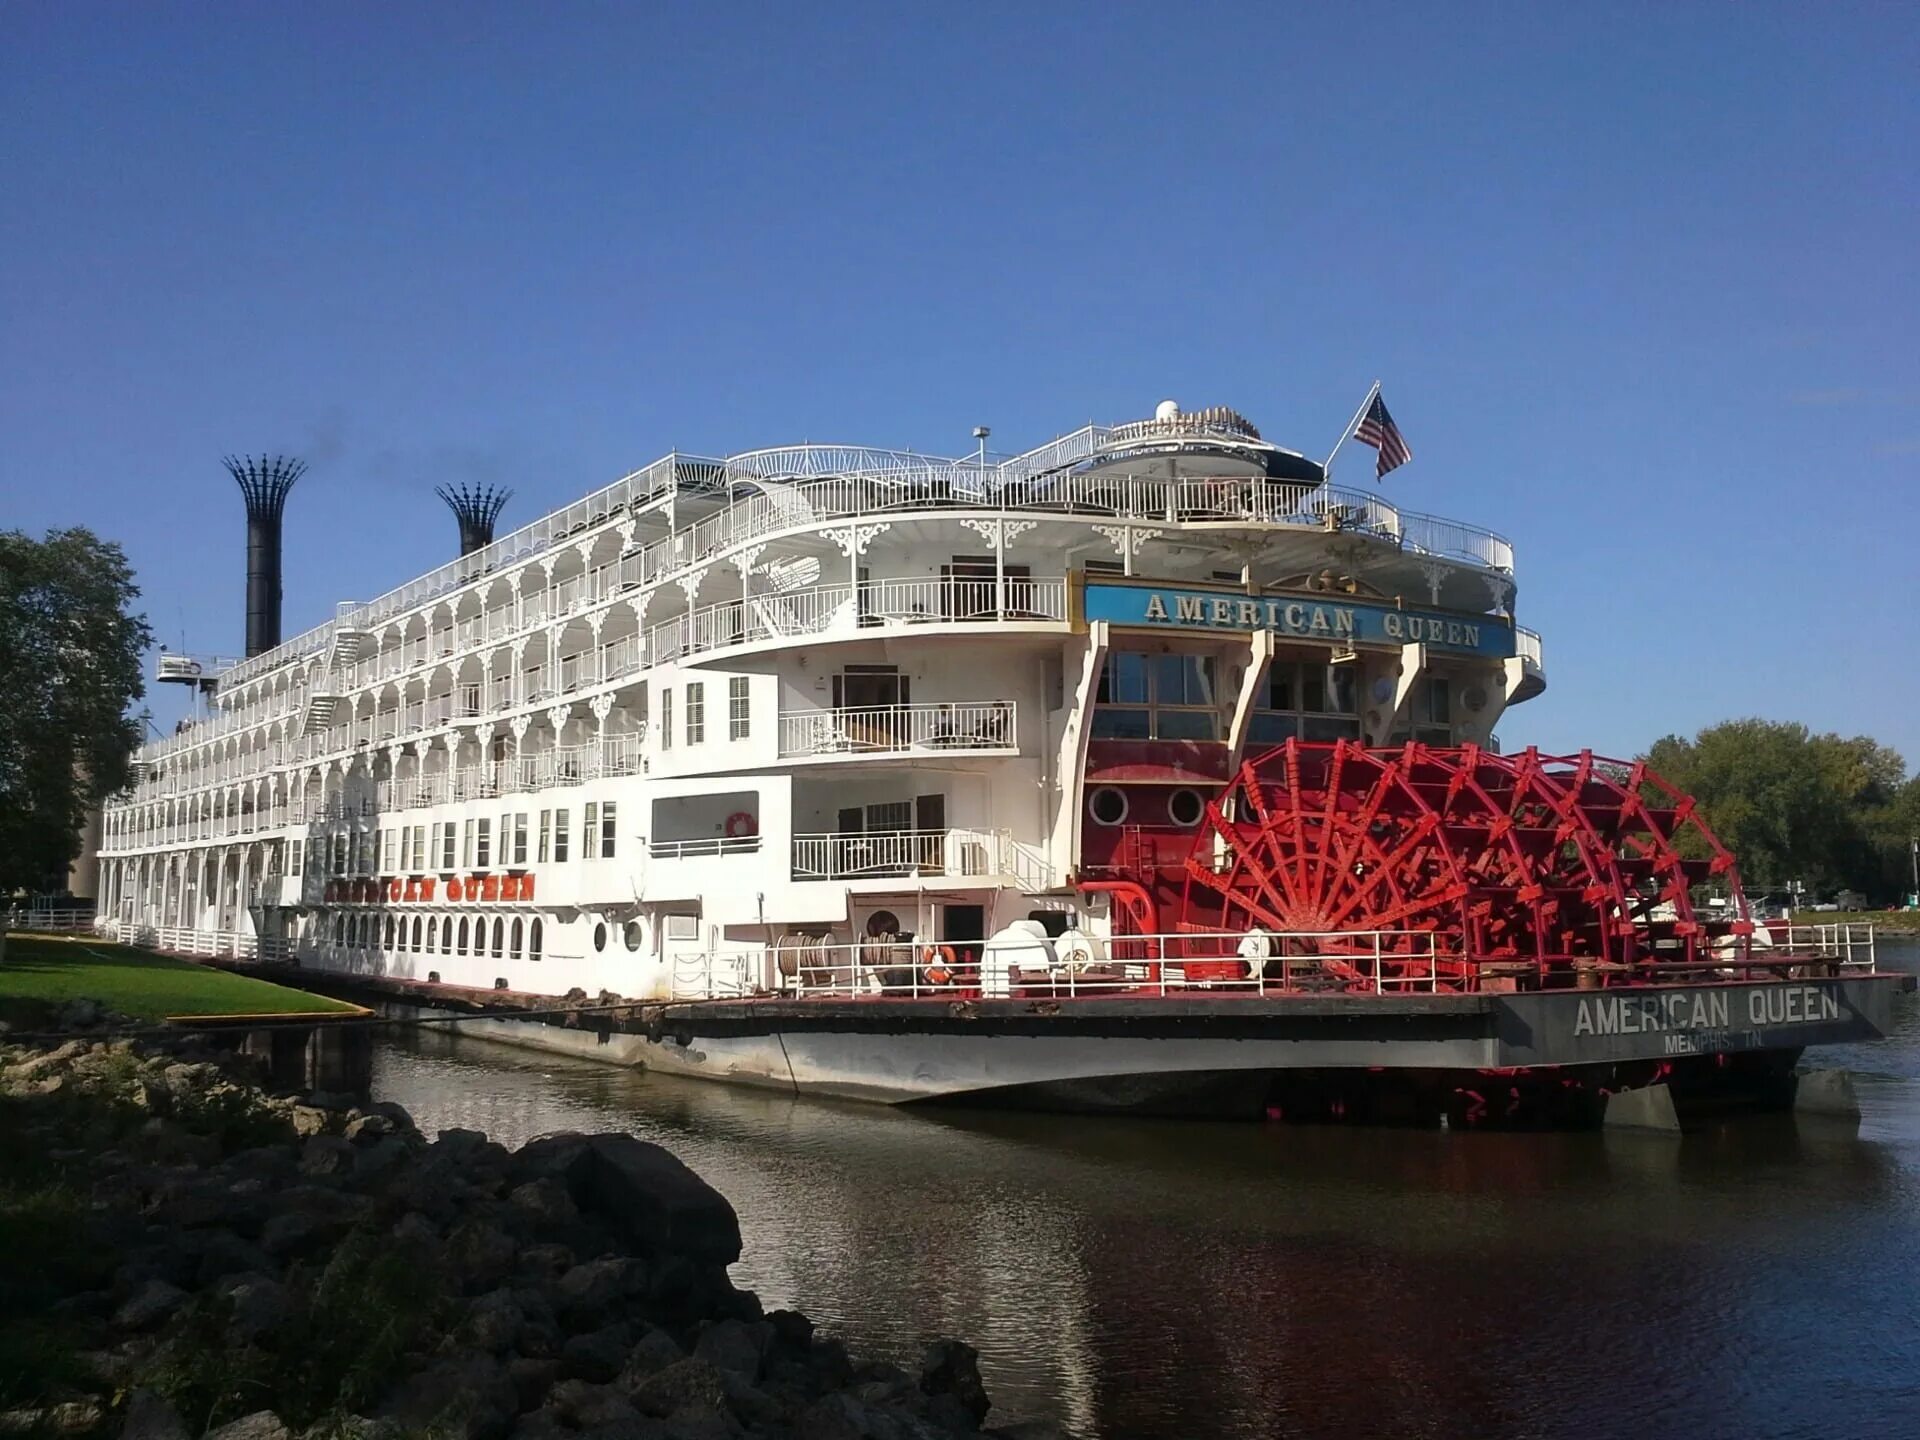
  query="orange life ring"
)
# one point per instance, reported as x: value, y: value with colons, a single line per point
x: 740, y: 824
x: 940, y: 965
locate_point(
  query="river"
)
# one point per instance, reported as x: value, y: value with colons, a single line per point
x: 1147, y: 1278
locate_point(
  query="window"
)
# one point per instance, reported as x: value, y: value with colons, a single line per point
x: 738, y: 716
x: 419, y: 847
x: 463, y: 935
x: 545, y: 851
x: 520, y: 838
x: 1185, y: 807
x: 561, y: 821
x: 482, y: 844
x: 533, y: 941
x: 1156, y: 697
x: 513, y: 943
x: 293, y: 858
x: 590, y: 833
x: 632, y: 933
x: 1108, y: 805
x: 466, y: 846
x: 433, y: 932
x: 416, y: 933
x: 446, y: 846
x: 600, y: 936
x: 374, y: 866
x: 696, y: 712
x: 499, y: 937
x: 666, y: 719
x: 606, y: 831
x: 1313, y: 701
x: 683, y: 927
x: 446, y: 937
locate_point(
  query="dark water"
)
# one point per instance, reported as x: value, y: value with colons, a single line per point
x: 1151, y: 1278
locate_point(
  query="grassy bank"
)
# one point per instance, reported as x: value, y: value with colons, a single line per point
x: 43, y: 972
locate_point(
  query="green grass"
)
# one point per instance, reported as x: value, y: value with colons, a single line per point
x: 41, y: 972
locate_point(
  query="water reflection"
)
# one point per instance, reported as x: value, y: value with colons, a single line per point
x: 1164, y: 1278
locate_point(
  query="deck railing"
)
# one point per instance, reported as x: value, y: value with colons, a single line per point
x: 956, y: 851
x: 956, y: 725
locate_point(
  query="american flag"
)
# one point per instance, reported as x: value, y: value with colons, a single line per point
x: 1378, y: 430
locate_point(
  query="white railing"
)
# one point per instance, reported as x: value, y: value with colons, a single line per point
x: 957, y: 851
x: 1848, y: 943
x: 179, y: 940
x: 48, y: 921
x: 704, y: 847
x: 964, y: 725
x: 1526, y: 644
x: 1074, y: 966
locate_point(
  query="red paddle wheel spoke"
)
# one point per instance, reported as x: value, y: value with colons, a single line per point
x: 1528, y: 867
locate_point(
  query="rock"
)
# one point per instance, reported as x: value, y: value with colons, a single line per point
x: 651, y: 1354
x: 837, y: 1417
x: 545, y: 1262
x: 364, y: 1129
x: 148, y: 1417
x: 326, y: 1155
x: 80, y: 1014
x: 466, y: 1394
x: 23, y: 1422
x: 546, y: 1202
x: 261, y: 1306
x: 75, y: 1417
x: 493, y: 1322
x: 224, y: 1253
x: 532, y: 1377
x: 481, y: 1254
x: 952, y: 1367
x: 643, y: 1192
x: 416, y: 1230
x: 590, y: 1406
x: 311, y: 1120
x: 691, y: 1384
x: 261, y: 1425
x: 599, y: 1355
x: 736, y: 1346
x: 382, y: 1157
x: 149, y: 1305
x: 791, y: 1330
x: 588, y: 1294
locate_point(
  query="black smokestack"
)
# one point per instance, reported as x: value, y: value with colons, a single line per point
x: 264, y: 481
x: 476, y: 507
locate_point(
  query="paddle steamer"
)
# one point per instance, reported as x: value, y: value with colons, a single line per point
x: 1144, y: 769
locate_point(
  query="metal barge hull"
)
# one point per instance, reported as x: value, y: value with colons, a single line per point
x: 1552, y: 1057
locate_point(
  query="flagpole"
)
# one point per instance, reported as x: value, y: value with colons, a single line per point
x: 1327, y: 469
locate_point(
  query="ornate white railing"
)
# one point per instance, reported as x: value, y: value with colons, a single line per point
x: 965, y: 725
x: 953, y: 852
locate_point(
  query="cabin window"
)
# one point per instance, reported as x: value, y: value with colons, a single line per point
x: 513, y: 944
x: 533, y: 941
x: 738, y: 715
x: 696, y: 712
x: 1156, y: 697
x: 683, y: 927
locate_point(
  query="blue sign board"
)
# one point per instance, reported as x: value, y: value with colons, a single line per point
x: 1333, y: 619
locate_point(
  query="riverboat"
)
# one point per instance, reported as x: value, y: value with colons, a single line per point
x: 1146, y: 769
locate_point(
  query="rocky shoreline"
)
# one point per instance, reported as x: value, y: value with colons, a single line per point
x: 223, y: 1261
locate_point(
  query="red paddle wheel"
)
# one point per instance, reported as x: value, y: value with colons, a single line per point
x: 1457, y: 865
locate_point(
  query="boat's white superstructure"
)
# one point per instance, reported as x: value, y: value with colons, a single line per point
x: 821, y: 691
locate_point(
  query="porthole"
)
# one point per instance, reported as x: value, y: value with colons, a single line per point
x: 632, y: 934
x: 1108, y: 805
x: 1185, y: 807
x: 600, y: 936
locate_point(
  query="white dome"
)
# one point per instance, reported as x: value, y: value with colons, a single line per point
x: 1166, y: 410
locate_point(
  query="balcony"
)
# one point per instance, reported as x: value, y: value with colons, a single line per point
x: 888, y: 854
x: 974, y: 725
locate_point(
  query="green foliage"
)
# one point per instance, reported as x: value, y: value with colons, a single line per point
x: 1830, y: 812
x: 70, y: 650
x: 355, y: 1322
x: 42, y: 971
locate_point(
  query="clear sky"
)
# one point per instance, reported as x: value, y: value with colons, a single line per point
x: 1640, y: 282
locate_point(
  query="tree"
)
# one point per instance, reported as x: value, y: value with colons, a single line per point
x: 1792, y: 805
x: 70, y: 649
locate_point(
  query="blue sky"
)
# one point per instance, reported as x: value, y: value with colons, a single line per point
x: 1640, y: 282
